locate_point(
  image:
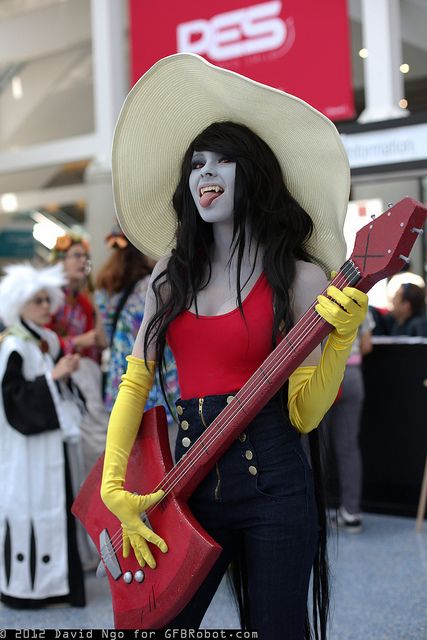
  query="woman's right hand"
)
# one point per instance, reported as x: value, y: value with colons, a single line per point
x: 65, y: 366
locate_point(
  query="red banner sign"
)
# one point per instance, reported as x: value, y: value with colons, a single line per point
x: 299, y: 46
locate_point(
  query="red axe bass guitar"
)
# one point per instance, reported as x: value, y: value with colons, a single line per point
x: 147, y: 598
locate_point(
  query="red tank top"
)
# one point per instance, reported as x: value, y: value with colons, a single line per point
x: 218, y: 354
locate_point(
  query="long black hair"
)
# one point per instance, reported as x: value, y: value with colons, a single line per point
x: 262, y: 204
x: 268, y: 218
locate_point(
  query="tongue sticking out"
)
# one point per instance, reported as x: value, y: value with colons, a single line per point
x: 208, y: 197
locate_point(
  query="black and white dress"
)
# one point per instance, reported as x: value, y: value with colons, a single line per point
x: 39, y: 559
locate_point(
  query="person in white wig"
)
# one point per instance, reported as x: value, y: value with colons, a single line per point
x: 39, y: 559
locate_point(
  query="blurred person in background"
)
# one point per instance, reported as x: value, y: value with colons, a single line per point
x: 80, y: 330
x: 342, y: 429
x: 407, y: 315
x: 39, y: 412
x: 120, y: 291
x: 75, y: 322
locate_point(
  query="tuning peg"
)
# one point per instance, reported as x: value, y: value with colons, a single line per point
x: 405, y: 259
x: 419, y: 231
x: 373, y: 216
x: 389, y: 204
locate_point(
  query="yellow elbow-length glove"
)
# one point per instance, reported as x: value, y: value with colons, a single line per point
x: 122, y: 430
x: 312, y: 390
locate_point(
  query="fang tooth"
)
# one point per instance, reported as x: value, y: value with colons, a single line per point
x: 214, y: 188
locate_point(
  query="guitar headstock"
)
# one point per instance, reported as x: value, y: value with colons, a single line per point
x: 383, y: 245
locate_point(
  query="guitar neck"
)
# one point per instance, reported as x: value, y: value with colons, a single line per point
x: 292, y: 350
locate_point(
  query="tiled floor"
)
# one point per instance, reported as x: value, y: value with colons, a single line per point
x: 379, y: 592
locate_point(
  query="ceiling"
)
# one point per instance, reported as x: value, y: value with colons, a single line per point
x: 13, y: 8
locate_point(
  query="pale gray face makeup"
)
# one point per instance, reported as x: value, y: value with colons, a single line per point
x: 211, y: 183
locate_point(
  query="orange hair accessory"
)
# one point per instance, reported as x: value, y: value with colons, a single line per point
x: 65, y: 242
x: 116, y: 239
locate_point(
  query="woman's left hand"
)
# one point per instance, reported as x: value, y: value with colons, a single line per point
x: 345, y: 310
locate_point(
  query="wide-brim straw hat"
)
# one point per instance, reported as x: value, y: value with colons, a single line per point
x: 176, y: 100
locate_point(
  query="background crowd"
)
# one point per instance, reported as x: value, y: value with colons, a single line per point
x: 62, y: 353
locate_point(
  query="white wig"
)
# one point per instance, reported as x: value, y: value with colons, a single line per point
x: 22, y: 282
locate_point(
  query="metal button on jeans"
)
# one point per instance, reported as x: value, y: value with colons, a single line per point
x: 242, y: 437
x: 184, y: 425
x: 179, y: 410
x: 186, y: 442
x: 249, y: 455
x: 253, y: 470
x: 229, y: 399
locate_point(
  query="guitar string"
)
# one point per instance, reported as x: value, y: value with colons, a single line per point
x: 117, y: 537
x: 218, y: 432
x: 303, y: 331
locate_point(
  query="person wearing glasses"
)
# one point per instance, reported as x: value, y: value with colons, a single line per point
x: 76, y: 322
x: 80, y: 330
x: 40, y: 414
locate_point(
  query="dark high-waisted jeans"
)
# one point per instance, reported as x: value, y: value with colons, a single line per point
x: 259, y: 498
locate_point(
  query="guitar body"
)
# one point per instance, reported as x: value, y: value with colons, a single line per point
x: 164, y: 591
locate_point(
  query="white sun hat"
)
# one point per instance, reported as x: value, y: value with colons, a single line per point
x: 22, y: 282
x: 176, y: 100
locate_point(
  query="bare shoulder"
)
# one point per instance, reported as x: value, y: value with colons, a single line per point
x: 157, y: 277
x: 310, y: 280
x: 307, y: 273
x: 151, y: 305
x: 161, y: 265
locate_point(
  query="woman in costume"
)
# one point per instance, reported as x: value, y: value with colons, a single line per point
x: 75, y: 322
x: 39, y: 413
x: 120, y: 290
x: 80, y: 330
x: 242, y: 189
